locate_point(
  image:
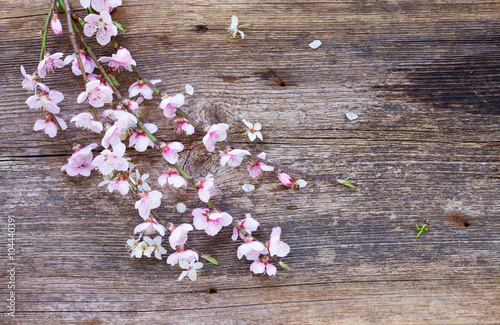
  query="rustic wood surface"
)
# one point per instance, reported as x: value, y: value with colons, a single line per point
x: 424, y: 78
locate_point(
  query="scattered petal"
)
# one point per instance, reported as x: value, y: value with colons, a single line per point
x: 351, y: 116
x: 315, y: 44
x: 181, y: 207
x: 189, y: 89
x: 248, y: 187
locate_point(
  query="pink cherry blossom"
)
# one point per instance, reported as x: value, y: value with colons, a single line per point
x: 183, y: 126
x: 86, y: 121
x: 49, y: 63
x: 30, y: 82
x: 211, y: 222
x: 249, y: 224
x: 133, y: 105
x: 114, y: 134
x: 215, y: 133
x: 80, y: 162
x: 48, y: 126
x: 182, y: 255
x: 88, y: 64
x: 233, y: 157
x: 276, y: 246
x: 286, y: 180
x: 169, y: 104
x: 101, y: 5
x: 109, y: 161
x: 56, y: 25
x: 140, y: 140
x: 148, y: 201
x: 149, y: 227
x: 140, y: 87
x: 256, y: 168
x: 173, y: 179
x: 170, y: 151
x: 178, y: 235
x: 251, y: 249
x: 96, y: 94
x: 47, y: 100
x: 119, y: 183
x: 102, y: 25
x: 206, y: 188
x: 259, y: 266
x: 93, y: 77
x: 120, y: 59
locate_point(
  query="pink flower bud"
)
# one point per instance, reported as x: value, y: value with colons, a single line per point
x: 55, y: 23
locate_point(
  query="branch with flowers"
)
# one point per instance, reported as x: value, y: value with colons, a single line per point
x: 124, y: 116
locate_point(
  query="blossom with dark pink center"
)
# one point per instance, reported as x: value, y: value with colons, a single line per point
x: 140, y: 87
x: 251, y: 250
x: 183, y: 126
x: 120, y: 59
x: 171, y: 150
x: 151, y: 226
x: 215, y: 133
x: 109, y: 161
x: 256, y: 168
x: 80, y: 162
x: 276, y: 246
x: 249, y: 224
x: 102, y: 25
x: 148, y: 201
x: 210, y: 221
x: 140, y: 140
x: 172, y: 178
x: 182, y: 255
x: 49, y: 126
x: 263, y: 265
x: 178, y: 235
x: 96, y: 94
x: 206, y: 188
x: 114, y: 134
x: 169, y: 104
x: 233, y: 157
x: 47, y: 100
x: 88, y: 64
x: 49, y: 63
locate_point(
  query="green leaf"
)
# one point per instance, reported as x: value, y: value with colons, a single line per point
x: 286, y: 267
x: 211, y: 260
x: 119, y: 26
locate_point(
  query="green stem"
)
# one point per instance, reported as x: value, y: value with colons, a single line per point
x: 44, y: 32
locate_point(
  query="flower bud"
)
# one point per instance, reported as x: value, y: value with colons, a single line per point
x: 55, y: 23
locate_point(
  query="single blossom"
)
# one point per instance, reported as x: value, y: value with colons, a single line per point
x: 178, y: 235
x: 136, y: 247
x: 30, y: 82
x: 232, y: 157
x: 140, y: 141
x: 169, y: 104
x: 114, y: 135
x: 49, y: 63
x: 183, y: 126
x: 276, y: 246
x: 206, y: 188
x: 182, y: 255
x: 88, y: 64
x: 96, y: 94
x: 109, y: 161
x: 172, y: 178
x: 119, y: 183
x: 256, y: 168
x: 154, y: 245
x: 210, y: 221
x: 49, y: 126
x: 191, y: 269
x: 171, y: 150
x: 253, y: 131
x: 234, y: 29
x: 215, y: 133
x: 251, y: 250
x: 248, y: 224
x: 86, y: 121
x: 93, y: 76
x: 46, y: 100
x: 287, y: 180
x: 80, y: 163
x: 149, y: 227
x: 148, y: 201
x: 260, y: 265
x: 101, y: 5
x: 140, y: 87
x: 140, y: 181
x: 102, y: 25
x: 56, y: 25
x: 120, y: 59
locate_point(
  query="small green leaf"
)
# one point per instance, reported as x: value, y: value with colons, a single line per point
x: 88, y: 10
x: 211, y: 259
x: 119, y: 26
x: 346, y: 182
x: 286, y: 267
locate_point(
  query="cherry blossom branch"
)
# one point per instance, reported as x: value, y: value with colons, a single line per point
x: 73, y: 40
x: 45, y: 28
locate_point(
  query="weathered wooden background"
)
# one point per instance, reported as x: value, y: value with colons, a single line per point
x: 424, y: 78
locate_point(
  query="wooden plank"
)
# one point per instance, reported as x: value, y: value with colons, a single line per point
x: 424, y: 78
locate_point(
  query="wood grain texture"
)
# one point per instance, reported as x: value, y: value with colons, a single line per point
x: 424, y: 78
